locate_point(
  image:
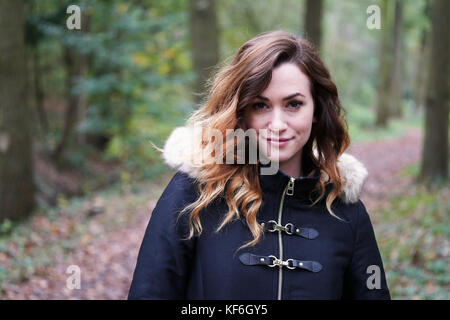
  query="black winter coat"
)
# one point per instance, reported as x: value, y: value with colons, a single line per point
x: 305, y: 252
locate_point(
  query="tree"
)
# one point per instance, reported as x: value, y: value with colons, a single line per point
x: 390, y: 62
x: 32, y: 39
x: 420, y: 77
x: 75, y: 64
x: 204, y: 40
x: 435, y: 144
x: 313, y: 21
x: 396, y: 79
x: 16, y: 168
x: 385, y: 67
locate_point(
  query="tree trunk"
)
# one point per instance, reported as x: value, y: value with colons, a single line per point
x: 385, y: 67
x: 75, y: 64
x: 435, y: 144
x: 204, y: 41
x: 420, y: 78
x: 38, y: 92
x: 396, y: 84
x: 313, y: 21
x: 16, y: 166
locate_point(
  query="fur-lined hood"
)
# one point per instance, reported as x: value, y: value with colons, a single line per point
x: 182, y: 145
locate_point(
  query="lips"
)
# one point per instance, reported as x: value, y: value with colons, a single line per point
x: 278, y: 140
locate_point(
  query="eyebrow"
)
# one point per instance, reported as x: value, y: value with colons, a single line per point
x: 286, y: 98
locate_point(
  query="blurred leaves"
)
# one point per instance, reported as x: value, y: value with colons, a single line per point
x: 413, y: 235
x: 135, y: 54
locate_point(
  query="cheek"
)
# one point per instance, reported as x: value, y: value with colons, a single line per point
x: 252, y: 121
x: 302, y: 125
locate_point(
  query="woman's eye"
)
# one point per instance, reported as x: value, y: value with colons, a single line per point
x: 295, y: 104
x: 259, y: 106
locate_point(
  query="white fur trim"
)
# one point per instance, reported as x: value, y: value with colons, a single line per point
x: 353, y: 173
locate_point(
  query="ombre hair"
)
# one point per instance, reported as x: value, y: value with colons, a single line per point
x: 232, y: 88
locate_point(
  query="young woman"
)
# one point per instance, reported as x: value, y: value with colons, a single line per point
x: 225, y: 230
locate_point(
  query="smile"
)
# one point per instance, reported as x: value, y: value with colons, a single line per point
x: 278, y: 142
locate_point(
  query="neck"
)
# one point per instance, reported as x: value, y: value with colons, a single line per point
x: 293, y: 166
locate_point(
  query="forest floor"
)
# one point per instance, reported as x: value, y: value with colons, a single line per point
x: 102, y: 235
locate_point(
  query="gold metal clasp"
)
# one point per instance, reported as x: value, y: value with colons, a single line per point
x: 279, y: 227
x: 290, y: 187
x: 281, y: 263
x: 275, y: 225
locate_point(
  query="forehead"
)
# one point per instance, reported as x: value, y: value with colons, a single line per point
x: 287, y: 79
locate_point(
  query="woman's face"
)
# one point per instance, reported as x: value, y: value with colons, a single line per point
x: 285, y: 108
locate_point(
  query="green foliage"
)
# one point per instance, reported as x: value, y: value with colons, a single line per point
x: 362, y: 128
x: 5, y: 226
x: 413, y: 233
x: 126, y: 65
x: 241, y: 20
x: 138, y: 77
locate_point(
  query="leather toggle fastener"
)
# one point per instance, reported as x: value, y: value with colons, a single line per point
x: 250, y: 259
x: 289, y: 228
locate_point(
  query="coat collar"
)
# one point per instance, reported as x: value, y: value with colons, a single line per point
x: 182, y: 147
x: 275, y: 183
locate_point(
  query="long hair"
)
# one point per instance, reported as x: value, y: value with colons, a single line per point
x: 230, y: 91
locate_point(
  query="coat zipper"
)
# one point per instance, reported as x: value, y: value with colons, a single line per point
x: 289, y: 190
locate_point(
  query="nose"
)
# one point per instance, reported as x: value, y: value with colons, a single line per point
x: 277, y: 123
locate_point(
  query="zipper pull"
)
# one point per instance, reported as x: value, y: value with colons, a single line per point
x: 290, y: 187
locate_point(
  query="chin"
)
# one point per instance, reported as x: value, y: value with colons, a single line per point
x: 282, y: 158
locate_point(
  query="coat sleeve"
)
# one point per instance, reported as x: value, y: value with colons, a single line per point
x: 365, y: 278
x: 164, y: 258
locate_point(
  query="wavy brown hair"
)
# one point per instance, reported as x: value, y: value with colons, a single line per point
x: 230, y: 91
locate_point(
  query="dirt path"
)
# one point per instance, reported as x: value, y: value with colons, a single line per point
x: 107, y: 262
x: 384, y: 159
